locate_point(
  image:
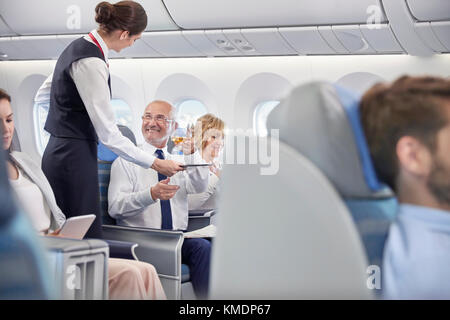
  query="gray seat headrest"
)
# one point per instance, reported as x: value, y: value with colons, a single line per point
x: 127, y: 133
x: 313, y: 120
x: 15, y: 143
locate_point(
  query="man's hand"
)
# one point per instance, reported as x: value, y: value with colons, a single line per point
x: 163, y: 190
x: 167, y: 167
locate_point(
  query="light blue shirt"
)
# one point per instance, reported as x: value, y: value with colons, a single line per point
x: 416, y: 262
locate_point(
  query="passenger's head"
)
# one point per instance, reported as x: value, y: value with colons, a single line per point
x: 123, y: 22
x: 158, y: 123
x: 6, y: 119
x: 407, y: 126
x: 209, y: 134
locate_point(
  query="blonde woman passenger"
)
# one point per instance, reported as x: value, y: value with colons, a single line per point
x: 209, y: 139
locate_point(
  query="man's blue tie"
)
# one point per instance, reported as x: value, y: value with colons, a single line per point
x: 166, y: 211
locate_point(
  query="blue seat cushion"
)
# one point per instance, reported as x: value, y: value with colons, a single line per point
x: 185, y: 273
x: 104, y: 154
x: 104, y: 173
x: 373, y: 218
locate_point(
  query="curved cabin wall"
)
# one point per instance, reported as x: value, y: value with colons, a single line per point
x: 228, y: 93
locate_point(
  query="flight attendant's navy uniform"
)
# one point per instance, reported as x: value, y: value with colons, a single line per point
x: 70, y: 158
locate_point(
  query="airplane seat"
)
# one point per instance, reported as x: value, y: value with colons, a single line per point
x: 286, y: 233
x: 15, y: 143
x: 161, y: 248
x: 333, y: 139
x: 105, y: 159
x: 23, y: 265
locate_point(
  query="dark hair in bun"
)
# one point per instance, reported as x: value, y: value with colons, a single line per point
x: 124, y: 15
x: 104, y: 12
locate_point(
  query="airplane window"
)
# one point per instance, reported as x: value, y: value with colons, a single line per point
x: 122, y: 112
x: 260, y: 115
x: 40, y: 116
x: 188, y: 111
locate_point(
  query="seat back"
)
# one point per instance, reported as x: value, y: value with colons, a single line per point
x: 24, y: 269
x: 105, y: 159
x: 321, y: 121
x: 285, y: 236
x: 15, y: 143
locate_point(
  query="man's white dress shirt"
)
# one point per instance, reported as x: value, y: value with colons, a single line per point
x: 91, y: 79
x: 129, y: 197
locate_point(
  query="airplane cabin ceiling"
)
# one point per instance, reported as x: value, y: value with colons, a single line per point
x: 42, y: 17
x: 430, y: 10
x: 213, y: 14
x: 40, y: 29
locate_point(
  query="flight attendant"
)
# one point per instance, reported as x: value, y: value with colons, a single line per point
x: 80, y: 113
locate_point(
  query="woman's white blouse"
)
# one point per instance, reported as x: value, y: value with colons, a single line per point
x: 33, y: 202
x: 91, y: 79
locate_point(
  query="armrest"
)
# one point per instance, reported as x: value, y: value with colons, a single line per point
x: 201, y: 213
x: 122, y: 249
x: 57, y: 244
x: 199, y: 219
x: 161, y: 248
x: 83, y: 263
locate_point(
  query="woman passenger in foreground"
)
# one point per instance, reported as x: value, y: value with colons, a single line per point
x: 128, y: 279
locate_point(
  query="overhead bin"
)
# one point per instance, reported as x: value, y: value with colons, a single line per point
x: 140, y: 49
x: 429, y: 37
x: 430, y: 10
x: 306, y: 40
x: 39, y: 47
x: 199, y: 40
x: 4, y: 30
x: 442, y: 31
x: 218, y: 14
x: 170, y: 44
x: 268, y: 41
x: 330, y: 37
x: 352, y: 39
x: 43, y: 17
x: 381, y: 38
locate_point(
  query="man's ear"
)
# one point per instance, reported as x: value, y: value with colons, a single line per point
x: 124, y: 35
x: 413, y: 156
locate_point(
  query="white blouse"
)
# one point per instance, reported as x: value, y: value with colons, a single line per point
x: 33, y: 202
x: 91, y: 79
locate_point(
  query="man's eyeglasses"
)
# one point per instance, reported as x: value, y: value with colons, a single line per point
x: 158, y: 118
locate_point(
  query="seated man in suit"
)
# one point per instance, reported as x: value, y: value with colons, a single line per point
x: 407, y: 126
x: 134, y: 191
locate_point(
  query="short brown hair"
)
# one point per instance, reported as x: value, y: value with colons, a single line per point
x: 124, y: 15
x: 207, y: 122
x: 411, y: 106
x: 4, y: 95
